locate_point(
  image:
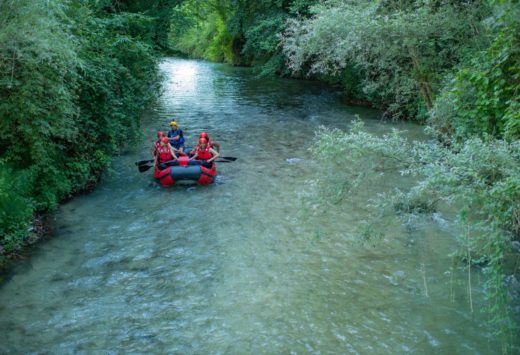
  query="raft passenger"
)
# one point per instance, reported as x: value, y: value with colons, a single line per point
x: 157, y: 143
x: 210, y: 143
x: 165, y: 153
x: 204, y: 152
x: 176, y: 137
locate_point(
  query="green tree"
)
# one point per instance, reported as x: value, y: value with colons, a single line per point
x: 483, y: 96
x: 240, y: 32
x: 74, y: 79
x: 401, y: 49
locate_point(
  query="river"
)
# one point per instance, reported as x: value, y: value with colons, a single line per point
x: 237, y: 267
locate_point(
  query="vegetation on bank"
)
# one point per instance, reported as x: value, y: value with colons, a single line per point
x: 75, y: 77
x: 242, y: 32
x: 452, y: 65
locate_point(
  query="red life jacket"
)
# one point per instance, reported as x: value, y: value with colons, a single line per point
x: 164, y: 154
x: 204, y: 154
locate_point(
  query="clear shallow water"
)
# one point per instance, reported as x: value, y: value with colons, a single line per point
x: 237, y: 267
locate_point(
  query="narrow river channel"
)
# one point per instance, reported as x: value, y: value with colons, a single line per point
x: 236, y: 267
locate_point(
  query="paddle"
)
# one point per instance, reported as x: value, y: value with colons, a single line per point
x: 142, y: 168
x: 141, y: 162
x: 229, y: 158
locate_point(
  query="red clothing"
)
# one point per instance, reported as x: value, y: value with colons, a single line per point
x: 164, y: 154
x: 204, y: 154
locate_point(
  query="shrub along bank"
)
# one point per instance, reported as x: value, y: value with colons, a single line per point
x: 75, y: 77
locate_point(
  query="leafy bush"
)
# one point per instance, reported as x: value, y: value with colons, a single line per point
x: 16, y: 208
x: 401, y: 51
x: 478, y: 177
x: 483, y: 97
x: 74, y: 79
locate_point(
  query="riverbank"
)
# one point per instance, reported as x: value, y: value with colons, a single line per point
x: 77, y: 77
x: 38, y: 230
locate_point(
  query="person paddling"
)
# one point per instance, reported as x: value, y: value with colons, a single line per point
x: 165, y: 152
x: 157, y: 143
x: 204, y: 152
x: 211, y: 144
x: 176, y: 137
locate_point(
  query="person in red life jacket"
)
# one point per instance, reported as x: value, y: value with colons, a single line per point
x: 204, y: 152
x: 165, y: 152
x: 201, y: 135
x: 157, y: 143
x: 210, y: 143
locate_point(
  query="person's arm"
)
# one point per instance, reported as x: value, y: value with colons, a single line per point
x: 172, y: 151
x: 194, y: 152
x: 215, y: 155
x: 175, y: 138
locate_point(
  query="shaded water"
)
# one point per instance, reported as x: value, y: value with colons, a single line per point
x: 237, y: 267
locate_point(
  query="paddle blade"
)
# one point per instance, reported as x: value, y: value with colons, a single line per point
x: 229, y: 158
x: 141, y: 162
x: 143, y: 168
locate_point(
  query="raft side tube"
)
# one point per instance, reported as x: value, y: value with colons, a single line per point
x: 191, y: 172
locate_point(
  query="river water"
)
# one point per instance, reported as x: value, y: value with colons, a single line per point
x: 238, y: 267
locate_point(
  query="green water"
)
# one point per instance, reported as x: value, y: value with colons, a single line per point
x: 238, y: 267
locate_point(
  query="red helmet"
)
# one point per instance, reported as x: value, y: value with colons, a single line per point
x: 203, y: 135
x: 165, y: 140
x: 160, y: 134
x: 203, y: 141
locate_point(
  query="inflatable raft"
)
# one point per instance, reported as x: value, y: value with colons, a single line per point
x: 184, y: 169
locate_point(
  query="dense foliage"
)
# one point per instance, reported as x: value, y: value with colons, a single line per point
x: 483, y: 96
x: 241, y: 32
x: 401, y: 50
x: 74, y: 79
